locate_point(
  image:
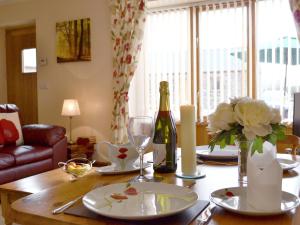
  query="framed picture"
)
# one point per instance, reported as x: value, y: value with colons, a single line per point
x: 73, y: 40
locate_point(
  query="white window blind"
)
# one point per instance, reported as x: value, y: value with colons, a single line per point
x: 277, y: 55
x: 223, y: 51
x: 165, y: 56
x: 220, y: 49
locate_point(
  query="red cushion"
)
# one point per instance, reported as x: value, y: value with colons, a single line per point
x: 1, y: 137
x: 9, y: 131
x: 14, y: 118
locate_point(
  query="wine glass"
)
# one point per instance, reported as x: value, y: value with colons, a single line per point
x: 140, y: 132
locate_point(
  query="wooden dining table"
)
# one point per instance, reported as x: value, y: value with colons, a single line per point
x: 36, y: 209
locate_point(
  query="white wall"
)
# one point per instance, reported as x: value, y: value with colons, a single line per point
x: 89, y: 82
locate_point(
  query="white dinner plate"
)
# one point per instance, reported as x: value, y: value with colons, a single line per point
x: 287, y: 164
x: 153, y: 200
x: 238, y: 202
x: 229, y: 152
x: 112, y: 169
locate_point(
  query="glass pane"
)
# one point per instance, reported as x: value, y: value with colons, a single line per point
x: 278, y: 52
x: 29, y: 60
x: 223, y: 55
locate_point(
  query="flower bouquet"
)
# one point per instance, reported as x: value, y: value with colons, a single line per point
x: 245, y: 119
x: 247, y: 123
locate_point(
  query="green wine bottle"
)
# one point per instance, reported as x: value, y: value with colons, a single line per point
x: 164, y: 141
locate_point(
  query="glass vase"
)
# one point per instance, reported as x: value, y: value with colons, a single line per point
x: 243, y: 152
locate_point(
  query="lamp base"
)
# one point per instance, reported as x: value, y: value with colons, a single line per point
x: 70, y: 142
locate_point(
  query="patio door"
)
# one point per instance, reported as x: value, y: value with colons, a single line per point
x: 21, y: 72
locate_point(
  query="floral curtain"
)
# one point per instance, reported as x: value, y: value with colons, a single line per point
x: 128, y: 20
x: 295, y: 7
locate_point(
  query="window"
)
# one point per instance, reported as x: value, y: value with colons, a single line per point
x: 277, y: 56
x: 205, y: 53
x: 222, y: 59
x: 29, y: 60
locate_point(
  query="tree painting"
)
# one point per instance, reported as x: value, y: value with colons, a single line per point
x: 73, y: 40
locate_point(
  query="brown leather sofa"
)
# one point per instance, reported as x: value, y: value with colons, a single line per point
x: 44, y: 146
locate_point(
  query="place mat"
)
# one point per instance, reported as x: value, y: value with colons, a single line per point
x: 216, y: 162
x: 228, y: 154
x: 216, y: 159
x: 183, y: 218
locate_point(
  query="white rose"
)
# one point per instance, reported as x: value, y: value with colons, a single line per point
x: 221, y: 118
x: 276, y: 116
x: 235, y: 100
x: 255, y: 116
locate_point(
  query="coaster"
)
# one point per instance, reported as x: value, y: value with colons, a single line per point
x: 197, y: 175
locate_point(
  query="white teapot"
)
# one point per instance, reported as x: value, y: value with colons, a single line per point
x: 122, y: 156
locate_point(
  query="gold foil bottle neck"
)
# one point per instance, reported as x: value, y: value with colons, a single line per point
x: 164, y: 87
x: 164, y: 104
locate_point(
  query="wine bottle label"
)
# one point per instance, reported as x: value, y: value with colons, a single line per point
x: 159, y: 154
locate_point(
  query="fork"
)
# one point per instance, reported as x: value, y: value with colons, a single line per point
x: 67, y: 205
x: 62, y: 208
x: 206, y: 215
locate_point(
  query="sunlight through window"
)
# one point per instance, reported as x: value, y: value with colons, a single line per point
x: 29, y: 60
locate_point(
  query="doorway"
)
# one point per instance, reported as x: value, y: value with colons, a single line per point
x: 21, y: 72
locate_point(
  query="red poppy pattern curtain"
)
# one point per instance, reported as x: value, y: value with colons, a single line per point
x: 128, y: 20
x: 295, y: 7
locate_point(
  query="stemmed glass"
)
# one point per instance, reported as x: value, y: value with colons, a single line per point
x: 140, y: 132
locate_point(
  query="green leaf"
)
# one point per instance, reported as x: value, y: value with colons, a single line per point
x: 232, y: 139
x: 223, y: 143
x: 257, y: 145
x: 281, y: 135
x: 272, y: 139
x: 227, y: 139
x: 211, y: 146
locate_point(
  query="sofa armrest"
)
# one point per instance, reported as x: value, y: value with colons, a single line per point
x: 59, y: 152
x: 41, y: 134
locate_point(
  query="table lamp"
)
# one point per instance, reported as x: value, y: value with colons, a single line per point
x: 70, y: 108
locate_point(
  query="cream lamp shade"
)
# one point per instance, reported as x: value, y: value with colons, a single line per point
x: 70, y: 108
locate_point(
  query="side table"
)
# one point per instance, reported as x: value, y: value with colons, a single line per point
x: 79, y: 151
x: 83, y: 147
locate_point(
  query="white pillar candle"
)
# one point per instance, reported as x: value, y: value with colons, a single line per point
x: 188, y: 140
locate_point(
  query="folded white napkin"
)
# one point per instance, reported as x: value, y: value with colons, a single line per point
x: 264, y: 175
